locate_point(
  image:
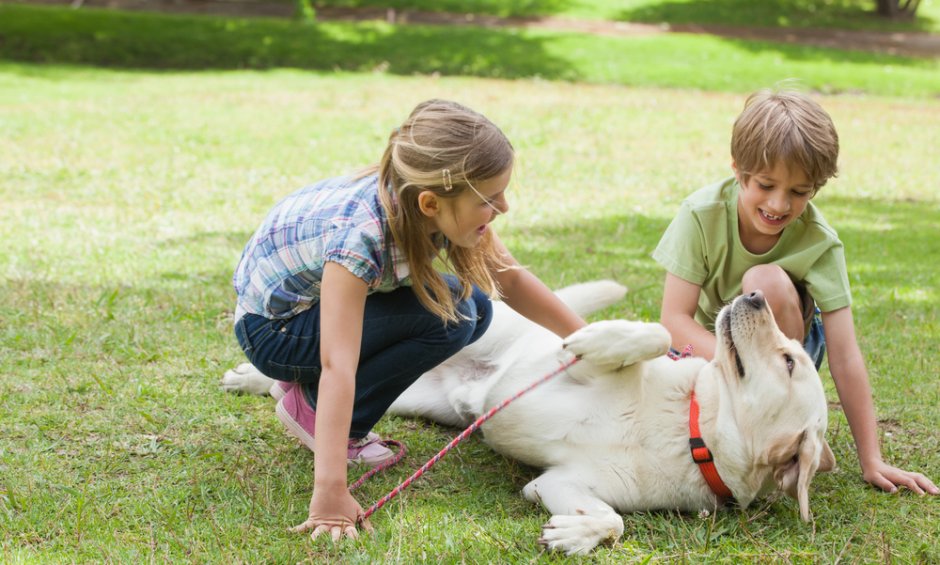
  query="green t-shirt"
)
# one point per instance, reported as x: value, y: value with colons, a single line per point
x: 703, y: 246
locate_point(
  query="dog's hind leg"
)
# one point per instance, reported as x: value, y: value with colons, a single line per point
x: 246, y: 378
x: 587, y: 298
x: 580, y: 521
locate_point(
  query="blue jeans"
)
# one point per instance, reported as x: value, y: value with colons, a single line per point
x: 401, y: 340
x: 815, y: 341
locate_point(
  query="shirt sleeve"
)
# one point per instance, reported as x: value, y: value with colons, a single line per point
x: 356, y: 250
x: 828, y: 281
x: 681, y: 249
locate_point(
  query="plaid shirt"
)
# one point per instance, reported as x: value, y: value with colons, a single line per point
x: 339, y: 220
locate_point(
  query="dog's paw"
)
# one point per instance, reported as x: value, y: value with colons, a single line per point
x: 579, y: 534
x: 614, y: 344
x: 246, y: 378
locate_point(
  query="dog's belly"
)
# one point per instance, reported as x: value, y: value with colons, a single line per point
x: 625, y: 438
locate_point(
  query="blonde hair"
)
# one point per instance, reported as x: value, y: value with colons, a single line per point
x: 441, y: 147
x: 785, y: 126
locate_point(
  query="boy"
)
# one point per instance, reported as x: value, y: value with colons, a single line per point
x: 759, y: 230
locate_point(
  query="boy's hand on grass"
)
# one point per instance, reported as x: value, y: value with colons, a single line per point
x: 888, y: 478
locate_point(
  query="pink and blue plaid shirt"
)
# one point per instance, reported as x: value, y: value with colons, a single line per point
x: 339, y: 220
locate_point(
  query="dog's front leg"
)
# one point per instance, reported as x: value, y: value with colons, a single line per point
x: 614, y: 344
x: 580, y: 520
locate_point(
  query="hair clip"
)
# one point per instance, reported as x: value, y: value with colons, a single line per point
x: 448, y: 181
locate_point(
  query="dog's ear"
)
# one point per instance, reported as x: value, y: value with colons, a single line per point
x: 795, y: 461
x: 827, y: 461
x: 783, y: 456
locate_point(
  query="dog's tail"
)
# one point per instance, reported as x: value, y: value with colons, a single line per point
x: 589, y: 297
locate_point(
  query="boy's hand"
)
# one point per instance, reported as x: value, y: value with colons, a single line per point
x: 889, y: 478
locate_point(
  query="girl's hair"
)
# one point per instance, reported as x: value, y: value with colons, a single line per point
x: 788, y: 127
x: 442, y: 147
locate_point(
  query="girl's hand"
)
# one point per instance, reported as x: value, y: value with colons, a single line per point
x: 334, y: 511
x: 889, y: 478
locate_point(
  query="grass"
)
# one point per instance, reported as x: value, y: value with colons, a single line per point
x: 128, y: 195
x: 145, y: 41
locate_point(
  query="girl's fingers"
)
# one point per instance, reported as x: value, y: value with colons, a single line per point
x: 307, y: 525
x: 336, y: 531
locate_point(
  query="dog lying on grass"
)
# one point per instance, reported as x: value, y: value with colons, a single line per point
x: 619, y: 431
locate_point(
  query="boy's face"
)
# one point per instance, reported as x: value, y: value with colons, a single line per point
x: 769, y: 201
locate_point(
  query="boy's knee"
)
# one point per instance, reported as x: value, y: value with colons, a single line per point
x: 774, y: 282
x: 781, y: 295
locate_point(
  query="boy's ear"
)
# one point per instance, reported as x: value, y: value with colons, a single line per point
x: 429, y: 203
x: 737, y: 173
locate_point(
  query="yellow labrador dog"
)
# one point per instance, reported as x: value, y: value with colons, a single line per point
x: 619, y: 431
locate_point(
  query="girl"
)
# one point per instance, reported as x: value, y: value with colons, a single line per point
x: 339, y: 299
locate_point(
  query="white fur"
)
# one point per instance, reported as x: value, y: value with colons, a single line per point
x: 612, y: 432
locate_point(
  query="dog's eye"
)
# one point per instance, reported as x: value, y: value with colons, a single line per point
x: 789, y: 361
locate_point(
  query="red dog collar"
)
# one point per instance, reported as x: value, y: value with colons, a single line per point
x: 702, y: 456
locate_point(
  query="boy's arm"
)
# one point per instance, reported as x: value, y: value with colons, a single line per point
x: 851, y: 379
x: 680, y: 300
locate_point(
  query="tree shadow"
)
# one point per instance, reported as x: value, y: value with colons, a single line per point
x: 770, y: 13
x: 892, y: 251
x: 501, y: 8
x: 154, y: 41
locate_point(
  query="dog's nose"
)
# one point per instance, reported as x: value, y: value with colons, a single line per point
x: 755, y: 299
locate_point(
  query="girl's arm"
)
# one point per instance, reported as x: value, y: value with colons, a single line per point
x: 851, y: 379
x: 342, y: 305
x: 529, y: 296
x: 680, y: 300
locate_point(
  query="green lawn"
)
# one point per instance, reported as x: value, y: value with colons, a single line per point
x: 128, y: 195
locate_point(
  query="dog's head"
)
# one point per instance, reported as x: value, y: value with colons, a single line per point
x: 777, y: 396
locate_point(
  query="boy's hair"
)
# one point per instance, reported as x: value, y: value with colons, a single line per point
x: 788, y: 127
x: 442, y: 147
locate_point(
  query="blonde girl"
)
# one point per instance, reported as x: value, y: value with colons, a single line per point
x: 341, y: 300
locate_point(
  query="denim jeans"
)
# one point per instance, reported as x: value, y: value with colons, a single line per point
x: 401, y: 340
x: 815, y: 341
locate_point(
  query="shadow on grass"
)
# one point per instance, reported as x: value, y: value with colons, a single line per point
x: 892, y: 252
x: 131, y: 40
x: 502, y: 8
x: 152, y: 41
x: 845, y: 14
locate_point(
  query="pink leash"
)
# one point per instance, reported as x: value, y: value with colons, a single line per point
x: 440, y: 455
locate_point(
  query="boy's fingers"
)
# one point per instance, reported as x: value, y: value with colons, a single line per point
x: 882, y: 482
x: 911, y: 485
x: 926, y: 484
